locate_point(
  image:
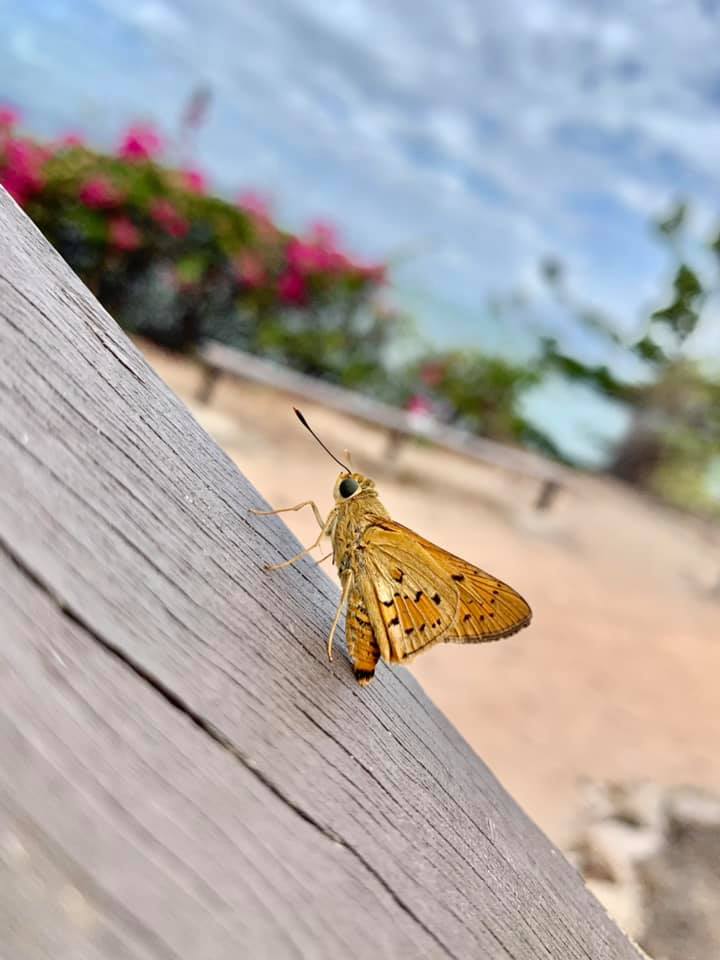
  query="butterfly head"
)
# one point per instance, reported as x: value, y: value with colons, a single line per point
x: 350, y: 486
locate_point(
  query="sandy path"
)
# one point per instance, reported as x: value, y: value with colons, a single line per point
x: 619, y: 675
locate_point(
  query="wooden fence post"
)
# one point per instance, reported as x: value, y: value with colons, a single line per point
x: 549, y: 489
x: 183, y: 773
x: 209, y: 377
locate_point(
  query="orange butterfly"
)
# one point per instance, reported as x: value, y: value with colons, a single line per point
x: 403, y: 593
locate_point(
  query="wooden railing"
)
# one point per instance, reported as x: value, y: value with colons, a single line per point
x: 400, y: 425
x: 183, y: 773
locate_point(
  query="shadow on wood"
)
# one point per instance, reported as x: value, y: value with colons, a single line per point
x: 184, y: 774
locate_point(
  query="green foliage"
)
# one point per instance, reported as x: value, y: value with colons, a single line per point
x: 478, y: 392
x: 682, y: 314
x: 344, y: 350
x: 675, y: 432
x: 600, y: 377
x: 647, y: 349
x: 686, y: 409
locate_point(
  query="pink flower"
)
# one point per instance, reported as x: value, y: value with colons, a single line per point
x: 336, y: 262
x: 374, y: 273
x: 432, y: 373
x: 194, y: 181
x: 123, y: 234
x: 304, y: 257
x: 100, y: 193
x: 255, y: 203
x: 141, y: 142
x: 167, y: 216
x: 250, y: 270
x: 70, y: 140
x: 8, y: 118
x: 15, y: 186
x: 22, y: 176
x: 419, y: 405
x: 311, y: 258
x: 323, y: 234
x: 42, y: 153
x: 292, y: 288
x: 23, y: 156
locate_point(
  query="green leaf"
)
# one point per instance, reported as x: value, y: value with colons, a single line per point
x: 648, y: 350
x: 670, y: 225
x: 191, y: 269
x: 552, y: 271
x: 683, y: 313
x: 687, y: 284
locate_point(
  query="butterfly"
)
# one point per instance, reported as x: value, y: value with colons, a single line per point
x: 403, y: 593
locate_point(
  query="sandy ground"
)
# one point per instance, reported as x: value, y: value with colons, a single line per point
x: 619, y: 674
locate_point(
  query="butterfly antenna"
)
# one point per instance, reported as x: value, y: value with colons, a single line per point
x: 307, y: 426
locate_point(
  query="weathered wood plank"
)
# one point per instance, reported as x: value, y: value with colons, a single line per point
x: 218, y: 729
x: 399, y: 423
x: 140, y: 829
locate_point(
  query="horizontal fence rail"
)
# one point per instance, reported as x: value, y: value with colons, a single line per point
x: 401, y: 425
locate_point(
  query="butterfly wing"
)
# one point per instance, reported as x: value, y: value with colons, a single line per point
x: 404, y: 594
x: 417, y: 594
x: 489, y: 608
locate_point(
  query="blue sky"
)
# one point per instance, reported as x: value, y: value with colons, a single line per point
x: 480, y: 134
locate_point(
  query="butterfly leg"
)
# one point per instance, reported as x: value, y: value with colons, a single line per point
x: 298, y: 556
x: 299, y: 506
x: 325, y: 531
x: 347, y: 585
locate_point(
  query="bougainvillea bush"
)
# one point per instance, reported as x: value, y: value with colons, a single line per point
x: 173, y: 262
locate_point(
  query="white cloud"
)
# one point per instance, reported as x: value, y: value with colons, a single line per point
x: 158, y: 17
x: 505, y: 129
x: 451, y: 130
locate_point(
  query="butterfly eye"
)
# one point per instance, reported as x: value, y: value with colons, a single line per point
x: 348, y: 487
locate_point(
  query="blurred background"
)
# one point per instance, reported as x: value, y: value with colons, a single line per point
x: 501, y: 217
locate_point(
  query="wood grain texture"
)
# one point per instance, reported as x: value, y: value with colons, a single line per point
x: 181, y: 765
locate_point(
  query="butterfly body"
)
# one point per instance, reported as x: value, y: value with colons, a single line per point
x: 403, y: 593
